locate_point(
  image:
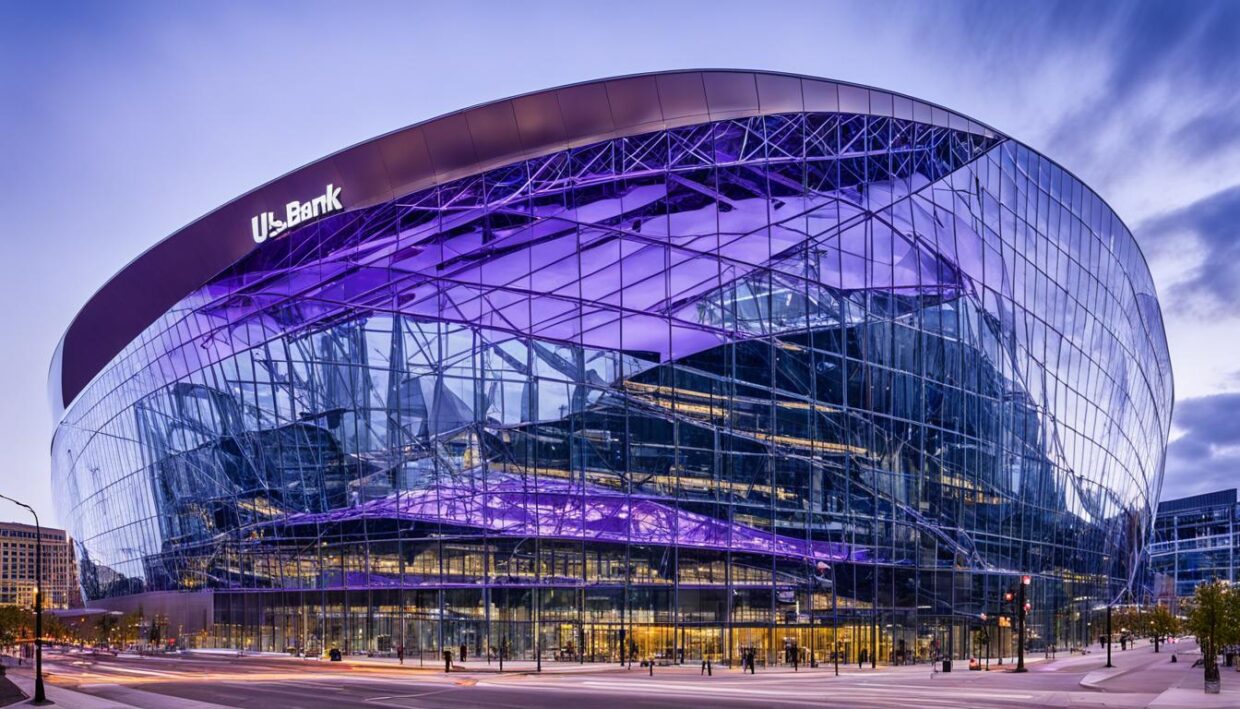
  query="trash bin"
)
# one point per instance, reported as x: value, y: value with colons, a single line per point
x: 334, y: 655
x: 947, y: 665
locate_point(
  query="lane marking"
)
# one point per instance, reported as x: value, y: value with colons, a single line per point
x: 135, y: 671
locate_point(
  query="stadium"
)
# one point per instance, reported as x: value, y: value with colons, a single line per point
x: 675, y: 366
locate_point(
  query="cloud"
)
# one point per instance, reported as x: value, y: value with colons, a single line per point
x: 1206, y: 456
x: 1201, y: 135
x: 1212, y: 285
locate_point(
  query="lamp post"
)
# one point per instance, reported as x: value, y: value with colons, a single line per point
x: 39, y: 696
x: 1008, y: 597
x: 1020, y: 623
x: 986, y: 630
x: 1109, y: 636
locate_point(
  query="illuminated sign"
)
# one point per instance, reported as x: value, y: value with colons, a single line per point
x: 265, y: 226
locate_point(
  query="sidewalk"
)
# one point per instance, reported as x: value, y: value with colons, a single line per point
x: 1187, y: 690
x: 70, y: 699
x: 689, y: 667
x: 549, y: 667
x: 1190, y: 692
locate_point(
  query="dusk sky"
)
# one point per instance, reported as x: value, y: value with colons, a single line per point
x: 122, y: 122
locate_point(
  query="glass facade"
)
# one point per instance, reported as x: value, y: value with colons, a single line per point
x: 801, y: 380
x: 1195, y: 540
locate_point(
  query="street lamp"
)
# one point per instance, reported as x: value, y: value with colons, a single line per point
x: 1021, y: 609
x: 986, y: 630
x: 39, y: 696
x: 1008, y: 597
x: 1109, y: 636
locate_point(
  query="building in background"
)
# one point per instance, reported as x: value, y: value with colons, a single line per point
x: 18, y: 545
x: 1195, y: 540
x: 680, y: 364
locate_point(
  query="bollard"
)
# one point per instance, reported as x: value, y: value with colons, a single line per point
x: 708, y: 670
x: 652, y: 667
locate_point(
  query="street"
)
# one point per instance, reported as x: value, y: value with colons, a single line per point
x: 199, y: 680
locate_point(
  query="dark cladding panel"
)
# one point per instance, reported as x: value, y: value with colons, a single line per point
x: 922, y: 112
x: 779, y: 94
x: 682, y: 96
x: 880, y: 103
x: 820, y: 96
x: 301, y: 186
x: 587, y: 117
x: 539, y: 121
x: 407, y: 160
x: 730, y: 94
x: 634, y: 103
x: 494, y: 129
x: 854, y: 99
x: 902, y: 107
x: 450, y: 144
x: 363, y: 177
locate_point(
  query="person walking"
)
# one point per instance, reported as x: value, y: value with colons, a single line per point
x: 400, y: 654
x: 462, y: 655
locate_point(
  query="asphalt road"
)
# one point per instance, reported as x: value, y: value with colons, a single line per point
x: 266, y: 683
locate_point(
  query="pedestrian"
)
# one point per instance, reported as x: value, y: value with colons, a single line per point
x: 447, y: 660
x: 861, y: 659
x: 400, y: 654
x: 462, y: 655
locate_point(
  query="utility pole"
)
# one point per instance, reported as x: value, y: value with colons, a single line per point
x: 39, y: 696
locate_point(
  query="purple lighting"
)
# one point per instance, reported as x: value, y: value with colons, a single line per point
x: 558, y: 509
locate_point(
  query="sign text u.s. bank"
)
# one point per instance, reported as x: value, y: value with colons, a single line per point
x: 265, y: 225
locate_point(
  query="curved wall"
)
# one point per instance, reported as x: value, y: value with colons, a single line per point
x: 767, y: 377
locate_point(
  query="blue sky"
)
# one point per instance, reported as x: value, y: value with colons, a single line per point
x: 121, y: 122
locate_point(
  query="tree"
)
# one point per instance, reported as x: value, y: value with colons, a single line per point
x: 13, y: 624
x: 1161, y: 624
x: 104, y: 626
x: 1214, y: 618
x: 1127, y: 621
x: 127, y: 629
